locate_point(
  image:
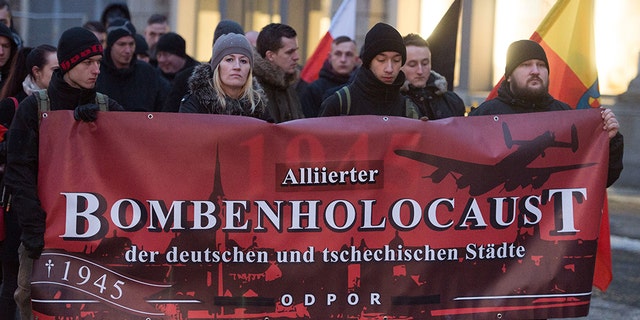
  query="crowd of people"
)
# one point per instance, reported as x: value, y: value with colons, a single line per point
x: 107, y: 65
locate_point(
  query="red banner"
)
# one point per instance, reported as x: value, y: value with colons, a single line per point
x: 185, y: 216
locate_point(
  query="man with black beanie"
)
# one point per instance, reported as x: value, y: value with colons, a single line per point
x: 180, y: 85
x: 135, y: 84
x: 172, y: 56
x: 375, y: 89
x: 72, y: 87
x: 525, y: 89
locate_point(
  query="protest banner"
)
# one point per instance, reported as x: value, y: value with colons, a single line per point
x: 185, y: 216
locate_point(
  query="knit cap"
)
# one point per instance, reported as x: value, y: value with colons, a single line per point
x: 173, y: 43
x: 76, y: 45
x: 226, y: 26
x: 231, y: 43
x: 6, y: 32
x: 382, y: 37
x: 521, y: 51
x: 119, y: 28
x: 141, y: 45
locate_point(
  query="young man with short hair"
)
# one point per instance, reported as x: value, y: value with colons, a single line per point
x: 336, y: 72
x: 276, y: 69
x: 72, y: 87
x: 425, y: 87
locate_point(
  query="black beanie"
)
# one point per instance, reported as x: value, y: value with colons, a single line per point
x: 76, y: 45
x: 173, y: 43
x: 521, y: 51
x: 141, y: 45
x: 382, y: 37
x: 119, y: 28
x: 226, y: 26
x: 6, y: 32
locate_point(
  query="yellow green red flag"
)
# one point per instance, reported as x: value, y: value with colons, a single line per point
x: 567, y: 36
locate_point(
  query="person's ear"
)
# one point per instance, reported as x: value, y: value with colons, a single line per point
x: 36, y: 72
x: 269, y: 55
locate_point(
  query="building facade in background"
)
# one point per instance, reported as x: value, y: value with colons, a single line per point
x: 487, y: 27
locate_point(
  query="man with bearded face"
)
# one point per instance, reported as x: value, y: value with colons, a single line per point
x: 526, y: 89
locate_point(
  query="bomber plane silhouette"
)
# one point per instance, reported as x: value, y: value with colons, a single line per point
x: 512, y: 170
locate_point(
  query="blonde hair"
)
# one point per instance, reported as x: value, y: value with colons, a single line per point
x: 247, y: 89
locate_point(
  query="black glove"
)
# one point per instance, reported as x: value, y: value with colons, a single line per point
x: 86, y: 112
x: 34, y: 246
x: 33, y: 253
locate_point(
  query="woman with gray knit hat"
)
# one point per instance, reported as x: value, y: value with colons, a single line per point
x: 226, y: 85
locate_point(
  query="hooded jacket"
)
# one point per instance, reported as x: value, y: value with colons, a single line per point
x: 327, y: 83
x: 370, y: 96
x: 204, y: 99
x: 280, y: 89
x: 21, y: 176
x: 434, y: 101
x: 507, y: 103
x: 140, y: 87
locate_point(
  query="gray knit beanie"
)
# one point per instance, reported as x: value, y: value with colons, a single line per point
x: 231, y: 43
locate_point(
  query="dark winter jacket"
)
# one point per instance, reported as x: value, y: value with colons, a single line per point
x: 370, y: 96
x: 140, y: 87
x: 179, y: 89
x: 21, y: 176
x: 434, y: 101
x: 507, y: 103
x: 280, y: 88
x: 326, y: 84
x: 190, y: 63
x: 204, y: 99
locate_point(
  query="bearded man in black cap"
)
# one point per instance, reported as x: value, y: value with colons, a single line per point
x: 375, y: 89
x: 135, y: 84
x: 525, y: 89
x: 72, y: 87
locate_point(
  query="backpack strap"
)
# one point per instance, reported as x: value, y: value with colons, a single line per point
x: 15, y: 102
x: 102, y: 100
x: 347, y: 100
x: 43, y: 100
x: 43, y: 103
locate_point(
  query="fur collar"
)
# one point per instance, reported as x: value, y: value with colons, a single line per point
x: 271, y: 75
x: 200, y: 86
x: 436, y: 80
